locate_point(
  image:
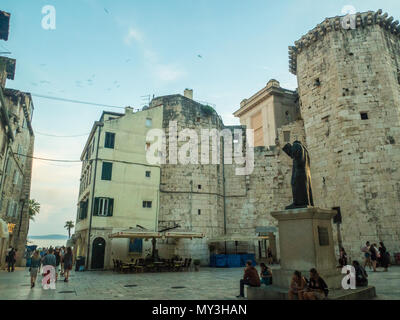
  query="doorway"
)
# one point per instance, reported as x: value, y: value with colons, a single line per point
x: 98, y: 251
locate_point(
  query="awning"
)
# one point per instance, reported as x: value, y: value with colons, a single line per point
x: 183, y: 234
x: 238, y: 237
x: 3, y: 229
x: 157, y: 235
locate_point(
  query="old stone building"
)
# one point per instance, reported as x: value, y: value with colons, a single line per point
x: 348, y: 94
x: 16, y: 152
x: 16, y: 168
x: 204, y: 198
x: 267, y: 110
x: 346, y: 110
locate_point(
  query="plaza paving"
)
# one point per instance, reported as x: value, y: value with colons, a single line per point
x: 207, y: 284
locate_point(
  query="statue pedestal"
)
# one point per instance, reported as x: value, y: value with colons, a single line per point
x: 306, y: 241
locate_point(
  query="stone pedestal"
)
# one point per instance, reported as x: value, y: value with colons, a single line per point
x: 306, y: 241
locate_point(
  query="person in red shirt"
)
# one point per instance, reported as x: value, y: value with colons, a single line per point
x: 250, y: 278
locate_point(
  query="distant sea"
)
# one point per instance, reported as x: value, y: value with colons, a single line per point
x: 46, y: 243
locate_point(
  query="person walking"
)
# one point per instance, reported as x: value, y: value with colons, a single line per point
x: 62, y: 252
x: 342, y: 257
x: 384, y: 257
x: 270, y: 256
x: 49, y: 259
x: 367, y: 255
x: 58, y: 260
x: 35, y: 266
x: 250, y: 278
x: 374, y: 256
x: 11, y: 258
x: 67, y: 263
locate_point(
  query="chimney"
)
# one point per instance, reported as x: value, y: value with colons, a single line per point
x: 128, y: 110
x: 188, y: 93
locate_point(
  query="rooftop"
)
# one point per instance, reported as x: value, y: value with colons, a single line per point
x: 272, y: 88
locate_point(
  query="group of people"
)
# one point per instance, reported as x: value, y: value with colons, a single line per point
x: 301, y: 288
x: 253, y: 279
x: 313, y: 289
x: 58, y: 257
x: 374, y: 256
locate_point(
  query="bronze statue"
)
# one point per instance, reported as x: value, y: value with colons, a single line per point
x: 301, y: 176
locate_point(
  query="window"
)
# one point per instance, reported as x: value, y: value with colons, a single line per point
x: 135, y: 245
x: 110, y: 139
x: 364, y: 116
x: 147, y: 204
x: 8, y: 167
x: 12, y: 208
x: 16, y: 177
x: 106, y: 172
x: 15, y: 213
x: 148, y: 173
x: 103, y: 207
x: 198, y: 211
x: 198, y: 119
x: 83, y: 208
x: 199, y: 186
x: 20, y: 151
x: 149, y: 122
x: 286, y: 136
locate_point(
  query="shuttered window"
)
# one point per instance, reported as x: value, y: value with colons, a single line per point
x: 106, y: 172
x: 147, y: 204
x: 110, y: 140
x: 83, y: 208
x: 103, y: 207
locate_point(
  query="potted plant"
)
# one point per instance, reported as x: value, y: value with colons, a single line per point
x: 196, y: 264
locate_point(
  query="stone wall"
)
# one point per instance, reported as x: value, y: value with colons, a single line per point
x: 235, y: 207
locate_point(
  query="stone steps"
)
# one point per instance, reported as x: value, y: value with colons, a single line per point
x: 277, y: 293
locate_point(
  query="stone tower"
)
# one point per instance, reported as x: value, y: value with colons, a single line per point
x: 349, y: 90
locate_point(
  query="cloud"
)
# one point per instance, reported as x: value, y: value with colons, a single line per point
x: 161, y: 71
x: 133, y: 35
x: 229, y: 119
x: 168, y: 72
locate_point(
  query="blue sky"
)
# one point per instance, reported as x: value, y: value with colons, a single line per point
x: 115, y: 52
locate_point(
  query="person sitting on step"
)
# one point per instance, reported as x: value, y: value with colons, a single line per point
x: 250, y: 278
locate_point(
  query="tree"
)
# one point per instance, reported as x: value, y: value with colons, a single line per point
x: 34, y: 208
x: 69, y: 225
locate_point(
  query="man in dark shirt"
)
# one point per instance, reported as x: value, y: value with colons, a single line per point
x: 250, y: 278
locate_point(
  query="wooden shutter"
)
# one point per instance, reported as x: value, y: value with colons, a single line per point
x: 110, y: 207
x: 96, y: 206
x: 106, y: 172
x: 109, y: 140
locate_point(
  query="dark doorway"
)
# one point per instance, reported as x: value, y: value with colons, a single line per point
x: 98, y: 250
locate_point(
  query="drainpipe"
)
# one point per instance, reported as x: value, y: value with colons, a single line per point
x: 92, y: 203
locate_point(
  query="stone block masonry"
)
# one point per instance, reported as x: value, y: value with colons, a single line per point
x: 349, y: 94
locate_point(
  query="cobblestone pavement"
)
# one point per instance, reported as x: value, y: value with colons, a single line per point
x: 207, y: 284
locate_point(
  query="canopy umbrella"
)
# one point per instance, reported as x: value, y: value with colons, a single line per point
x: 142, y: 234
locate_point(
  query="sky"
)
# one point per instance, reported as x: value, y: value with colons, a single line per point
x: 117, y: 52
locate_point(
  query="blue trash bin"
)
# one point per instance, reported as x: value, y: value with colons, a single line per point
x: 220, y: 261
x: 234, y: 261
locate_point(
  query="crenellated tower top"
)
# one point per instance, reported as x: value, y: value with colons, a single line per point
x: 362, y: 20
